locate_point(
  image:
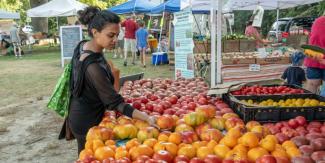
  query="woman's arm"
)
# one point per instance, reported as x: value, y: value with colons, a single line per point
x: 109, y: 97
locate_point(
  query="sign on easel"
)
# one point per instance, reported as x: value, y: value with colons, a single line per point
x: 70, y: 36
x: 183, y: 43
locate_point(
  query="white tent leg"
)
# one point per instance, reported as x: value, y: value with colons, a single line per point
x: 57, y: 22
x: 213, y: 43
x: 161, y: 28
x: 277, y: 20
x: 219, y: 35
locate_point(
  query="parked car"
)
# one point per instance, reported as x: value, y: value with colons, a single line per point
x: 284, y: 25
x: 27, y: 29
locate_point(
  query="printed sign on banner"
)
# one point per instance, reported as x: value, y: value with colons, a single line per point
x: 70, y: 36
x: 183, y: 35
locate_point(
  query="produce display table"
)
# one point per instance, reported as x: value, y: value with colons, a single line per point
x: 199, y: 128
x: 241, y: 72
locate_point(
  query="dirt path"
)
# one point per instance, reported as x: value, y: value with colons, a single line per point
x: 29, y: 131
x: 29, y: 134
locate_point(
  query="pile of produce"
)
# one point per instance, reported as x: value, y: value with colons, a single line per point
x: 197, y: 137
x: 308, y: 137
x: 291, y: 102
x: 165, y: 96
x: 262, y: 90
x: 237, y: 36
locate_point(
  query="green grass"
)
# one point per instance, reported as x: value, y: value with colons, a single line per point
x: 36, y: 74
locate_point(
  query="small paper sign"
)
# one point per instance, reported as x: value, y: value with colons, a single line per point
x: 254, y: 67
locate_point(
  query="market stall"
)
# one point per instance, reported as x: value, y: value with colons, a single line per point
x: 133, y: 6
x: 248, y: 124
x: 248, y: 5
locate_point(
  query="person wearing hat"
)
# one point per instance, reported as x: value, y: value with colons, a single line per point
x: 316, y: 66
x: 252, y: 31
x: 295, y: 75
x: 15, y: 39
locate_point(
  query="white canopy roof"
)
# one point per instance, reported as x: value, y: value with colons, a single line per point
x: 266, y: 4
x: 56, y: 8
x: 8, y: 15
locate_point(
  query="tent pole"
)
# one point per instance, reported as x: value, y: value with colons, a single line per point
x: 213, y: 43
x: 161, y: 28
x: 277, y: 21
x: 219, y: 35
x: 57, y: 22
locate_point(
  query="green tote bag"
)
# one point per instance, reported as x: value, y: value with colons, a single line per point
x: 60, y: 99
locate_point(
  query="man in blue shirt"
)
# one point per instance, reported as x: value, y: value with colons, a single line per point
x: 141, y: 36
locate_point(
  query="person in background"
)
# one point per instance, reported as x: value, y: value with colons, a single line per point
x: 129, y: 38
x: 142, y: 42
x: 295, y: 75
x: 316, y: 67
x: 92, y: 80
x: 251, y: 31
x: 15, y: 40
x: 120, y: 44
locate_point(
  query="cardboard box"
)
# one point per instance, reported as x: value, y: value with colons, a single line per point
x: 273, y: 60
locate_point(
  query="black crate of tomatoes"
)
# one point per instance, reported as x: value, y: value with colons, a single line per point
x: 269, y: 90
x: 277, y: 107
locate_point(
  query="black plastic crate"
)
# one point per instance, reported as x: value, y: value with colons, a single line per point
x: 275, y: 114
x: 277, y: 85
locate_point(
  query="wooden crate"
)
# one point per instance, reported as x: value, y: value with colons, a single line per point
x: 247, y: 45
x: 273, y: 60
x: 234, y: 61
x: 230, y: 46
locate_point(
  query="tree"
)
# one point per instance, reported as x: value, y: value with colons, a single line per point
x: 39, y: 24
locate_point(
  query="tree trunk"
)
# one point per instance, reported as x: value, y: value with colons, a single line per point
x: 39, y: 24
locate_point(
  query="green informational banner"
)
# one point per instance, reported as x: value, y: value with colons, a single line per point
x: 183, y: 35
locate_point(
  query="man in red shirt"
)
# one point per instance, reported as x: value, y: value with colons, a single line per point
x: 129, y: 38
x: 315, y: 66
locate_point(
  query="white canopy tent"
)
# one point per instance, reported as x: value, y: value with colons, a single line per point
x: 56, y: 8
x: 242, y: 5
x: 8, y: 15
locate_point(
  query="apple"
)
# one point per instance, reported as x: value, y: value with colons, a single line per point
x: 188, y: 137
x: 146, y: 133
x: 165, y: 122
x: 228, y: 161
x: 202, y: 128
x: 281, y: 137
x: 301, y: 120
x: 282, y: 160
x: 122, y: 160
x: 221, y: 105
x: 159, y: 109
x: 173, y: 99
x: 149, y: 107
x: 315, y: 124
x: 170, y: 111
x: 163, y: 155
x: 144, y: 100
x: 323, y: 129
x: 266, y: 159
x: 293, y: 123
x: 212, y: 159
x: 196, y: 160
x: 191, y: 106
x: 181, y: 158
x: 136, y: 104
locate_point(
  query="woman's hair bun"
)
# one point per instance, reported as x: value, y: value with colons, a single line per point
x: 86, y: 15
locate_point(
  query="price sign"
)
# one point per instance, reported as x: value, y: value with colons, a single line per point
x: 254, y: 67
